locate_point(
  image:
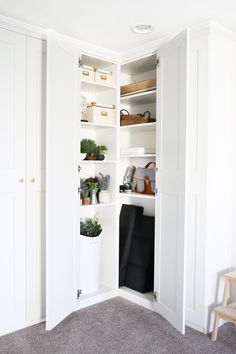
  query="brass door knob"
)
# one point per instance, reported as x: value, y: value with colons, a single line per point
x: 21, y: 180
x: 32, y: 180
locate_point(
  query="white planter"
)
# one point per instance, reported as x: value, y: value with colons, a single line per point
x: 90, y: 259
x: 82, y: 156
x: 104, y: 197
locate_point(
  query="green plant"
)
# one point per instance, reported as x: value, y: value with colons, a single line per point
x: 92, y: 183
x: 87, y: 146
x: 101, y: 149
x: 90, y: 227
x: 103, y: 182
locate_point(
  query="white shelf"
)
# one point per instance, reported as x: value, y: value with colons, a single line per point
x: 89, y: 162
x: 137, y: 156
x: 140, y: 127
x: 139, y: 98
x: 90, y: 125
x: 99, y: 205
x: 147, y: 296
x: 93, y: 86
x: 137, y: 195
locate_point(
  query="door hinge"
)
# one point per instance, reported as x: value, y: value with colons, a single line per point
x: 158, y: 62
x: 156, y: 169
x: 80, y: 63
x: 156, y: 190
x: 79, y: 292
x: 79, y: 168
x: 155, y: 296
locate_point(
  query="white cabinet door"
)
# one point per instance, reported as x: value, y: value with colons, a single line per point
x: 36, y: 179
x: 61, y: 176
x: 171, y: 162
x: 12, y: 180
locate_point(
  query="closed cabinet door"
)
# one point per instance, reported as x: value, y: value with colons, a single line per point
x: 36, y: 180
x: 171, y: 163
x: 12, y: 180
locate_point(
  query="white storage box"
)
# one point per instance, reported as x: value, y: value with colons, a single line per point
x: 100, y: 114
x: 87, y: 73
x: 104, y: 77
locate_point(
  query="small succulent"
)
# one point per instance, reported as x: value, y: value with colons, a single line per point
x: 90, y: 227
x: 101, y: 149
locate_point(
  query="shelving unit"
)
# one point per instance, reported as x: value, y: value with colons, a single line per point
x: 99, y: 205
x: 137, y: 156
x: 93, y: 86
x: 102, y: 134
x: 136, y: 195
x: 91, y: 125
x: 138, y: 135
x: 139, y: 98
x: 139, y: 127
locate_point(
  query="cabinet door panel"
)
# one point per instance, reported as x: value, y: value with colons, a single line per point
x: 12, y: 180
x: 35, y: 176
x: 171, y: 160
x: 61, y: 175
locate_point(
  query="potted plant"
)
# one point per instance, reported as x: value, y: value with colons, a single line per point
x: 92, y: 184
x: 103, y: 184
x: 88, y: 149
x: 90, y: 254
x: 84, y: 192
x: 100, y: 151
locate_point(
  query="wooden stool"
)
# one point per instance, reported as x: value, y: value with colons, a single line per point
x: 226, y: 311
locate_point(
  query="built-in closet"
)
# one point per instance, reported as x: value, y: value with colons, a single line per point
x: 191, y: 141
x: 22, y: 180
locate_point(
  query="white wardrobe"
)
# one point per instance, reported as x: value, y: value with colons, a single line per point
x: 194, y: 203
x: 22, y: 176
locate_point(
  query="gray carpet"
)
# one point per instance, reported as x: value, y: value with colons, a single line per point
x: 113, y: 327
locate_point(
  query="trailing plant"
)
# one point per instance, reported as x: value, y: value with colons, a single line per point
x: 101, y: 149
x: 90, y: 227
x: 103, y: 182
x: 87, y: 146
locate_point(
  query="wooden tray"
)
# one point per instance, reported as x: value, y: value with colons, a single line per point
x: 138, y: 86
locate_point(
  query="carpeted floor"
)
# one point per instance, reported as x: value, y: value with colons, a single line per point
x: 113, y: 327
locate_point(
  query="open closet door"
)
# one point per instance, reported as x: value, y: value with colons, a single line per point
x: 61, y: 185
x: 171, y: 163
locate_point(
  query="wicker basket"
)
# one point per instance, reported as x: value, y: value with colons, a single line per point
x: 128, y: 119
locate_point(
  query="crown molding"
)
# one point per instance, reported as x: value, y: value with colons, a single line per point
x: 143, y: 50
x: 211, y: 28
x: 205, y: 28
x: 22, y: 27
x: 41, y: 33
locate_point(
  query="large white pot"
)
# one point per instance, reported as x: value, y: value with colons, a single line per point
x: 90, y: 260
x: 104, y: 197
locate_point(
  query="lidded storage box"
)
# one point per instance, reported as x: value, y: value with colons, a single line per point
x: 87, y: 73
x: 104, y: 114
x: 104, y: 77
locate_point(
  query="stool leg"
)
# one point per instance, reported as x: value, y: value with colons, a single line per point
x: 215, y: 327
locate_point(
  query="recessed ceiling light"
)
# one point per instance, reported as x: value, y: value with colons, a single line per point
x: 142, y: 29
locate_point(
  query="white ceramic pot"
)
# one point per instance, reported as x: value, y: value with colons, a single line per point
x: 90, y: 260
x: 82, y: 156
x: 104, y: 197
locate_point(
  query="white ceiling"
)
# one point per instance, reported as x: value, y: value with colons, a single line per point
x: 107, y: 22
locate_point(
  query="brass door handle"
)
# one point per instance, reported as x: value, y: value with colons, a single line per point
x: 32, y: 180
x: 21, y: 180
